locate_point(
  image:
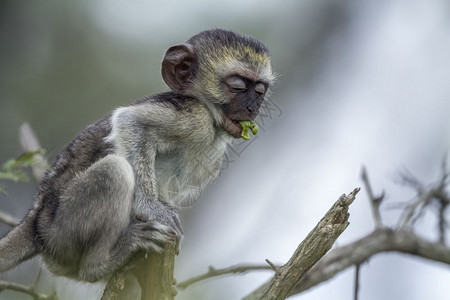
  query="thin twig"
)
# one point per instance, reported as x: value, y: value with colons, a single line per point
x: 408, y: 179
x: 356, y: 289
x: 444, y: 172
x: 36, y: 280
x: 416, y: 209
x: 442, y: 222
x: 444, y: 200
x: 375, y: 202
x: 8, y: 219
x: 30, y: 143
x: 29, y: 290
x: 212, y: 272
x: 273, y: 266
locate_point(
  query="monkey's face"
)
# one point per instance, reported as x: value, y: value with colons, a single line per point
x: 228, y: 72
x: 244, y: 96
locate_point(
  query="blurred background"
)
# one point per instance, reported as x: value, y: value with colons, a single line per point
x: 360, y: 83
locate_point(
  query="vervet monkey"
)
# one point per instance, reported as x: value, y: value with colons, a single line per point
x: 111, y: 190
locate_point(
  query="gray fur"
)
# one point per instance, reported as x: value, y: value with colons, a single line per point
x: 112, y: 190
x: 108, y: 193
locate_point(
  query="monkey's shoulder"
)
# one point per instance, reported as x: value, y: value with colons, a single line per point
x: 170, y: 115
x: 169, y: 99
x: 179, y: 105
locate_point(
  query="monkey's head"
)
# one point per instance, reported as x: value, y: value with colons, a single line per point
x: 229, y: 72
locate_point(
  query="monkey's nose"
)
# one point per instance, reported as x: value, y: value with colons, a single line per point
x: 252, y: 109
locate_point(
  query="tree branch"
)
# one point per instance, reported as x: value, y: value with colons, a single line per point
x: 426, y: 196
x: 238, y: 269
x: 356, y: 287
x: 8, y: 219
x: 154, y: 273
x: 24, y: 289
x: 30, y: 143
x: 310, y: 250
x: 356, y: 253
x: 381, y: 240
x: 375, y: 202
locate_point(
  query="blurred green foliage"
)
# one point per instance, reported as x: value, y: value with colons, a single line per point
x: 15, y: 169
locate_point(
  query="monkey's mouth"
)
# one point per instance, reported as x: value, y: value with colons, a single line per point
x: 232, y: 127
x: 240, y: 128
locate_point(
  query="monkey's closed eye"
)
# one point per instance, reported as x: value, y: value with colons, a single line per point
x: 260, y: 88
x: 236, y: 83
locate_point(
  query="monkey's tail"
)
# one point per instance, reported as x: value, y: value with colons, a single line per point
x: 18, y: 245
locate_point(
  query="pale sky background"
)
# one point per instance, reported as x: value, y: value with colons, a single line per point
x: 360, y: 83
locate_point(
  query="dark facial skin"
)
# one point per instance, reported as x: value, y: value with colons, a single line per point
x: 245, y: 97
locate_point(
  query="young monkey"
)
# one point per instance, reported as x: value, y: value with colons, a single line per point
x: 110, y: 191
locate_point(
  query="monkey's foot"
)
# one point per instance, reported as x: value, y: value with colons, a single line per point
x: 246, y: 126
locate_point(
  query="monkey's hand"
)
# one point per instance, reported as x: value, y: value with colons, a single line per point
x: 163, y: 213
x: 151, y: 235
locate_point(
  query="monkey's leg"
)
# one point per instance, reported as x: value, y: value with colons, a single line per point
x: 150, y: 235
x: 95, y: 216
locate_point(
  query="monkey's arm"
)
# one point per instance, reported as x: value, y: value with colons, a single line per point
x: 132, y: 134
x: 138, y: 134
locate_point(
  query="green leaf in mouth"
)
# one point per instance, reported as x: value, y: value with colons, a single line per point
x: 246, y: 127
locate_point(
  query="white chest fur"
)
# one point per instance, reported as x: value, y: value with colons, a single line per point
x: 183, y: 172
x: 174, y: 154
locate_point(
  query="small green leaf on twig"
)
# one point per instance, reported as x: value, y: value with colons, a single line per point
x: 13, y: 169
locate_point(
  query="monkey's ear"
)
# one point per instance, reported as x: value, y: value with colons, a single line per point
x: 179, y: 67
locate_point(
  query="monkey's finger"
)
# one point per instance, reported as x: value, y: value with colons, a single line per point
x: 177, y: 222
x: 156, y: 231
x: 160, y: 237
